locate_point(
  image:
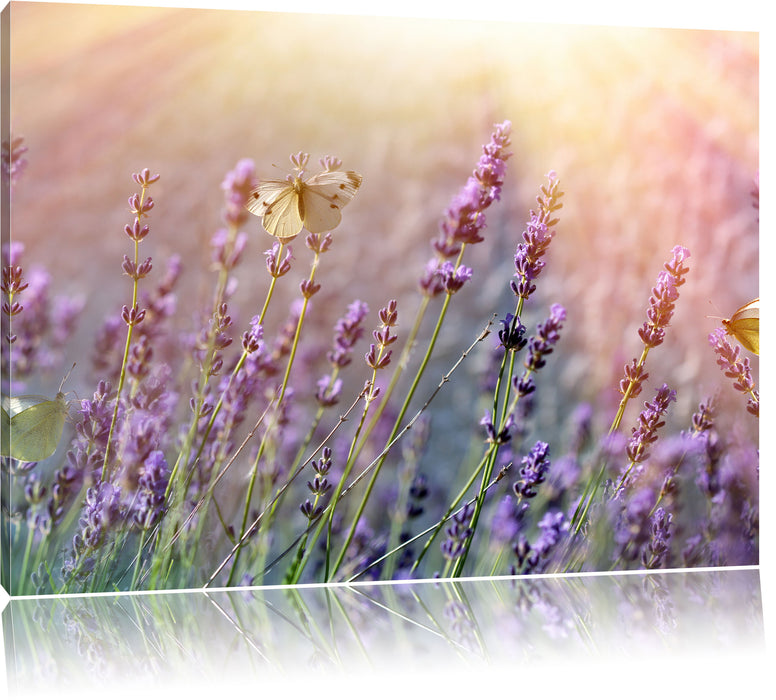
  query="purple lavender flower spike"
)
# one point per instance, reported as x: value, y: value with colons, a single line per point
x: 536, y: 240
x: 431, y: 282
x: 663, y: 299
x: 458, y: 533
x: 512, y: 335
x: 149, y: 504
x: 735, y: 368
x: 656, y: 551
x: 237, y: 186
x: 347, y: 332
x: 547, y: 334
x: 465, y: 218
x: 454, y: 277
x: 649, y: 422
x: 328, y: 391
x: 631, y: 532
x: 534, y: 470
x: 275, y: 268
x: 501, y: 437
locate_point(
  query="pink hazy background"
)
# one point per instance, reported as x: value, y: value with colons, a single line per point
x: 653, y: 132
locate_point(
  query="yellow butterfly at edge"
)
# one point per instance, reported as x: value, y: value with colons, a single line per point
x: 285, y: 206
x: 744, y: 324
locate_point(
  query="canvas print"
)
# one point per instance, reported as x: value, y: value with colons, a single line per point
x: 296, y: 298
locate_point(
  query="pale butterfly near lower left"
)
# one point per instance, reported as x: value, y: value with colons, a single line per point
x: 286, y: 206
x: 32, y: 425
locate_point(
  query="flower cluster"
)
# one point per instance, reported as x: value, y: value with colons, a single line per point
x: 536, y: 239
x: 150, y: 494
x: 457, y: 533
x: 319, y: 486
x: 664, y: 296
x: 728, y: 358
x: 649, y: 422
x: 464, y: 219
x: 534, y: 470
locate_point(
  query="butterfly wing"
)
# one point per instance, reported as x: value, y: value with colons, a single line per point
x: 17, y: 404
x: 277, y: 203
x: 35, y: 432
x: 744, y: 324
x: 324, y: 195
x: 5, y: 434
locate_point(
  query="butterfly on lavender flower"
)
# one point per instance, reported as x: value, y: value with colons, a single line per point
x: 287, y: 205
x: 744, y: 325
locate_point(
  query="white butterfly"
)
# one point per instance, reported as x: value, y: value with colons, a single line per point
x: 287, y: 205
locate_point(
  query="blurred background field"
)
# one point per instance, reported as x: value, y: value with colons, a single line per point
x: 653, y: 132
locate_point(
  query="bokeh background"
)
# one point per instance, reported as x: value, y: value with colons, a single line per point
x: 653, y: 132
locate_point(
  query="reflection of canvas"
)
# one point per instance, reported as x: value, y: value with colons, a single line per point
x: 349, y: 404
x: 485, y: 631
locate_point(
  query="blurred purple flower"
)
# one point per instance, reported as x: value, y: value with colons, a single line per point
x: 457, y: 533
x: 237, y: 185
x: 656, y: 552
x: 152, y: 484
x: 632, y: 529
x: 347, y: 332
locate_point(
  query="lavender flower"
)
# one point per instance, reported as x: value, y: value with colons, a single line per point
x: 540, y: 345
x: 494, y: 436
x: 348, y: 331
x: 431, y: 281
x: 237, y: 186
x: 512, y: 335
x: 465, y: 217
x: 453, y: 278
x: 101, y: 512
x: 276, y: 267
x: 319, y: 487
x: 547, y: 334
x: 535, y: 558
x: 656, y: 551
x: 252, y: 340
x: 735, y: 368
x: 458, y: 533
x: 632, y: 530
x: 649, y: 422
x: 227, y: 248
x: 149, y: 504
x: 506, y: 521
x: 534, y: 470
x: 536, y: 239
x: 703, y: 418
x: 663, y: 299
x: 377, y: 357
x: 328, y: 391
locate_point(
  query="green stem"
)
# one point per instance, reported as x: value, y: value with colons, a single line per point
x: 273, y: 418
x: 396, y: 425
x: 591, y: 488
x: 127, y: 345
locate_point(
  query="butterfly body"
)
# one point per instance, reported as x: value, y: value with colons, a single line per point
x: 286, y: 206
x: 744, y: 325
